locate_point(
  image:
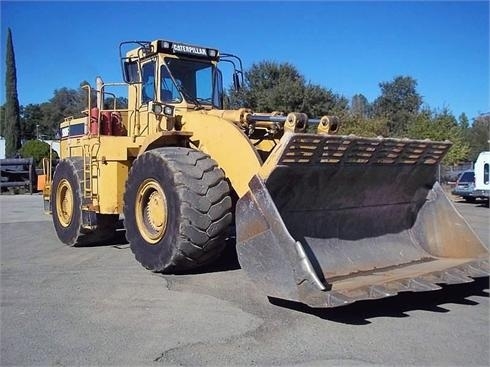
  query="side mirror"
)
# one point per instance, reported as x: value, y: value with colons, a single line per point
x: 236, y: 81
x: 130, y: 72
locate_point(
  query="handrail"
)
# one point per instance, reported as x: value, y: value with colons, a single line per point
x: 89, y: 99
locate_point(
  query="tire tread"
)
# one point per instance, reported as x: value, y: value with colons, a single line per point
x: 204, y: 208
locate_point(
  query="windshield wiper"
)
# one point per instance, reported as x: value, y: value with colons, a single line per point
x: 189, y: 97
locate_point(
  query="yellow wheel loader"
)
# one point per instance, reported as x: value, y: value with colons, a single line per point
x: 320, y: 218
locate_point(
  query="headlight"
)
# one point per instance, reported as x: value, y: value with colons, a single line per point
x: 168, y: 110
x: 160, y: 109
x: 157, y: 109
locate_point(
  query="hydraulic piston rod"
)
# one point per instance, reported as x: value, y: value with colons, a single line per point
x: 277, y: 119
x: 298, y: 122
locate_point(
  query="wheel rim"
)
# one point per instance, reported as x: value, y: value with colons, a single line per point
x: 64, y: 203
x: 151, y: 211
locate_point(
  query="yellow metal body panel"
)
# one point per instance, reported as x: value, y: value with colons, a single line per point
x: 111, y: 183
x: 226, y: 144
x: 219, y: 133
x: 208, y: 131
x: 108, y: 161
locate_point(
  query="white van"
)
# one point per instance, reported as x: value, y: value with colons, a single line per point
x: 482, y: 182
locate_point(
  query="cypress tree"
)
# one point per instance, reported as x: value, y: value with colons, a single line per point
x: 12, y: 111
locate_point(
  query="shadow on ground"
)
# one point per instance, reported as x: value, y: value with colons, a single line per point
x: 227, y: 261
x: 359, y: 313
x: 118, y: 240
x: 480, y: 203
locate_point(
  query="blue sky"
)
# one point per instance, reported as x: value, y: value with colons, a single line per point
x: 349, y: 47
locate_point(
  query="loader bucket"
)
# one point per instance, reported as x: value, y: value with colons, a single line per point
x: 330, y: 220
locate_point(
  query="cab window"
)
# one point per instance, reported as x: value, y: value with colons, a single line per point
x: 169, y: 91
x: 198, y: 80
x: 204, y: 84
x: 148, y: 82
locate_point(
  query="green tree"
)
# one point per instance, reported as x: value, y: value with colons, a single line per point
x: 399, y: 103
x: 38, y: 150
x: 12, y: 129
x: 464, y: 124
x: 271, y: 86
x: 2, y: 120
x: 360, y: 107
x: 65, y: 102
x: 32, y: 122
x: 121, y: 102
x: 479, y: 136
x: 463, y: 121
x: 319, y: 101
x: 370, y: 127
x: 440, y: 126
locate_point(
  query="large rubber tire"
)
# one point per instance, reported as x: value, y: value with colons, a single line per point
x: 66, y: 203
x: 66, y: 200
x: 177, y: 209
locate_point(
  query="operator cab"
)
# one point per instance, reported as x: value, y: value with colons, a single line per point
x: 177, y: 74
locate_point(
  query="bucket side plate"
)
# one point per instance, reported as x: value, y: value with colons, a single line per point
x: 331, y: 219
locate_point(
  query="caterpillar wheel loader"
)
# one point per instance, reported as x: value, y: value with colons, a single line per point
x: 320, y: 218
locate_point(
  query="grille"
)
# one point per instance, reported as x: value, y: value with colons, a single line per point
x: 315, y: 149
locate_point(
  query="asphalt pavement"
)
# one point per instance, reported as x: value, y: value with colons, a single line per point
x: 65, y: 306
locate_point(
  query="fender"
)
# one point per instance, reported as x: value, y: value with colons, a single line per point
x: 164, y: 138
x: 226, y: 144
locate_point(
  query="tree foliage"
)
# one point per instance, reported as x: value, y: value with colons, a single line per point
x: 399, y: 103
x: 118, y: 102
x: 32, y: 122
x: 2, y: 120
x: 42, y: 120
x: 440, y: 126
x: 38, y: 150
x: 479, y: 136
x: 64, y: 103
x: 11, y: 124
x: 360, y: 107
x: 271, y: 86
x: 370, y: 127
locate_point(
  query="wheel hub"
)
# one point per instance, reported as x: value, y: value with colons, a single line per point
x: 64, y: 203
x: 151, y: 211
x: 154, y: 211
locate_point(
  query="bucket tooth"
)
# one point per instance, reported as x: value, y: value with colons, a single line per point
x: 397, y: 287
x: 485, y: 266
x: 421, y: 285
x: 379, y: 291
x: 369, y: 292
x: 454, y: 276
x: 435, y: 277
x: 336, y: 299
x: 474, y: 270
